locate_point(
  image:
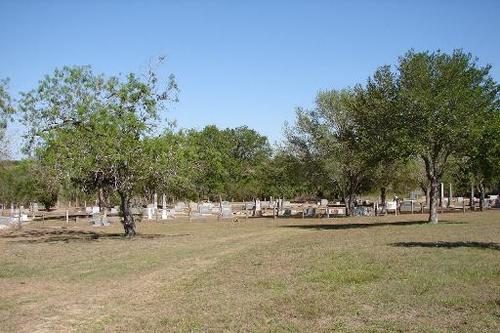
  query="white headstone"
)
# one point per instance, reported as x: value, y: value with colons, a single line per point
x: 391, y: 205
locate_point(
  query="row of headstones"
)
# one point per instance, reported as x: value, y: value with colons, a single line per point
x: 285, y: 208
x: 194, y: 209
x: 14, y: 216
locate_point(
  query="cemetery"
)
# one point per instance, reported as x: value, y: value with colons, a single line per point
x: 15, y: 216
x: 285, y: 167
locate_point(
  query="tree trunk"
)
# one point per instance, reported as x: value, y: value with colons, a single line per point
x: 428, y: 197
x: 102, y: 197
x: 433, y: 214
x: 349, y: 204
x: 383, y: 196
x: 126, y: 214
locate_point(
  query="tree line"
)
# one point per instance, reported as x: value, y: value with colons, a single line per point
x: 432, y: 117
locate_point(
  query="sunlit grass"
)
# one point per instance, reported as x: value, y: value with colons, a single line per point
x: 257, y: 276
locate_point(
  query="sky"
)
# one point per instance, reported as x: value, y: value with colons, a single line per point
x: 238, y: 62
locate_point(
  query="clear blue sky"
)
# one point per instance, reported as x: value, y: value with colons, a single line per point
x: 239, y: 62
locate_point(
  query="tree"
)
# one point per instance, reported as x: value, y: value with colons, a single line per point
x: 284, y: 175
x: 482, y: 163
x: 326, y: 140
x: 440, y: 95
x: 89, y: 129
x: 227, y: 163
x: 248, y: 152
x: 170, y: 170
x: 23, y: 182
x: 376, y: 120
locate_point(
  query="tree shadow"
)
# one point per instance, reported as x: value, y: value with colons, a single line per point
x: 324, y: 226
x: 67, y: 236
x: 335, y: 226
x: 449, y: 245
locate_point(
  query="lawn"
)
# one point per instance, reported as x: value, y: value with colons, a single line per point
x: 385, y: 274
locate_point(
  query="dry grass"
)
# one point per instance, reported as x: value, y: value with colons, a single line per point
x: 348, y: 275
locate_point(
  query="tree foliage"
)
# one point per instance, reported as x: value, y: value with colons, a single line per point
x: 90, y: 129
x: 327, y: 140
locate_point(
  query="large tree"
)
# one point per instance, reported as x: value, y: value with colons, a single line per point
x: 89, y: 129
x: 441, y: 98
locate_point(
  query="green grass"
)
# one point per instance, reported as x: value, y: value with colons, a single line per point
x: 258, y: 276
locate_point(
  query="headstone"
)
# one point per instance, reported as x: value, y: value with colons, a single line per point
x: 310, y: 212
x: 5, y: 222
x: 148, y: 213
x: 205, y: 208
x: 99, y: 220
x: 406, y: 206
x: 180, y: 206
x: 167, y: 213
x: 441, y: 195
x: 363, y: 211
x: 258, y: 206
x: 450, y: 195
x: 226, y: 210
x: 391, y: 206
x: 492, y: 200
x: 336, y: 211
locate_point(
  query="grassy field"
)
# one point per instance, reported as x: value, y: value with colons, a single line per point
x: 386, y: 274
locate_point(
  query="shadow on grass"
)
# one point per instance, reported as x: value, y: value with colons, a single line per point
x: 65, y: 235
x: 334, y: 226
x: 449, y: 245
